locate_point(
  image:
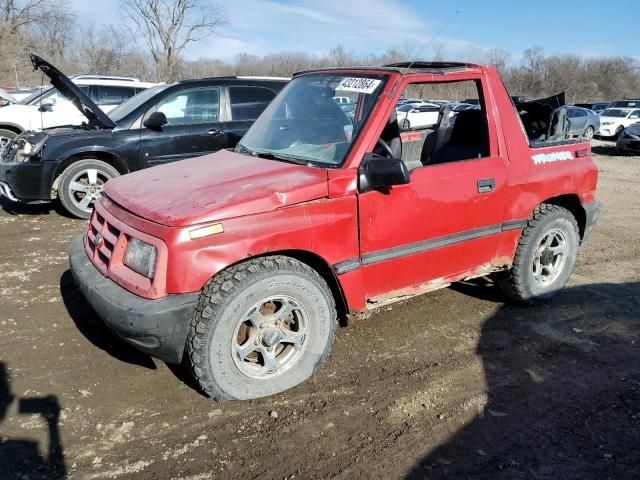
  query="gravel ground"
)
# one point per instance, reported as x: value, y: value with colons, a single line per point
x: 452, y: 384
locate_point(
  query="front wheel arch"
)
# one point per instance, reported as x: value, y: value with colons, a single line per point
x: 105, y: 157
x: 315, y: 262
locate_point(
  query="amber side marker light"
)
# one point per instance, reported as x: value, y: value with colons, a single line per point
x: 206, y: 231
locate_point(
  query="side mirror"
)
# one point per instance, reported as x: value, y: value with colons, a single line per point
x: 46, y: 106
x: 155, y: 121
x: 381, y: 173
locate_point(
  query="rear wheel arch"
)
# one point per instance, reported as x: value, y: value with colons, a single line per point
x: 572, y: 203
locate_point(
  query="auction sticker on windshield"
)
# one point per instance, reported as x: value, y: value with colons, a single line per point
x: 359, y: 85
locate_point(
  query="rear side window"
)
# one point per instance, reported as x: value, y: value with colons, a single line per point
x: 247, y: 103
x: 114, y: 95
x: 197, y: 105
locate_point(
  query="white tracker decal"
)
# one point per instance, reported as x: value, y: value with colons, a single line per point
x: 551, y: 157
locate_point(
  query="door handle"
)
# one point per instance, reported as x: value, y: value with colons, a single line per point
x: 215, y: 131
x: 486, y: 185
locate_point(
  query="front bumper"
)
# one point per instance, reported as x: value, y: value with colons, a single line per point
x: 592, y: 213
x: 627, y: 144
x: 607, y: 131
x: 26, y: 181
x: 156, y: 327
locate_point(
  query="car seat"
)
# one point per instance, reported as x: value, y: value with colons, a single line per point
x: 466, y: 139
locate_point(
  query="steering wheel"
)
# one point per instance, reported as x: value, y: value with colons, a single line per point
x: 386, y: 146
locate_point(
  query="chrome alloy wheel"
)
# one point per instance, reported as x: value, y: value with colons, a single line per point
x: 86, y: 186
x: 549, y: 258
x: 270, y: 337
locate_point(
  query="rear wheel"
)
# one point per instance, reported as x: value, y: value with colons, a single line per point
x: 545, y: 255
x: 588, y: 133
x: 81, y: 184
x: 260, y: 327
x: 406, y: 124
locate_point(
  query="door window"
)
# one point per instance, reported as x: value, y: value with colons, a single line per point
x: 447, y: 133
x: 112, y: 95
x: 247, y: 103
x: 198, y: 105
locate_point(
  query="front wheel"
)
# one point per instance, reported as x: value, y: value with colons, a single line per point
x: 81, y: 183
x: 406, y: 124
x: 545, y: 255
x: 260, y: 327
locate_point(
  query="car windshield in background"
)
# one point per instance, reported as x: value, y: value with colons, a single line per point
x: 304, y: 124
x: 34, y: 97
x: 407, y: 107
x: 614, y: 112
x: 125, y: 108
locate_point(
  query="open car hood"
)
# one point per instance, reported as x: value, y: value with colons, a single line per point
x: 215, y: 187
x: 72, y: 93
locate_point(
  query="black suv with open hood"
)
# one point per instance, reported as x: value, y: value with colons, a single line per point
x: 165, y: 123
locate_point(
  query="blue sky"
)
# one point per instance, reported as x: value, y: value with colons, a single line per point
x: 463, y: 28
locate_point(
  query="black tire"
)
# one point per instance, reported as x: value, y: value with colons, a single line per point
x: 519, y: 283
x: 228, y: 298
x: 10, y: 134
x: 406, y: 124
x: 73, y: 201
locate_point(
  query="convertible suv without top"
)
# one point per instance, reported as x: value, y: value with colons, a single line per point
x: 163, y: 124
x: 243, y: 261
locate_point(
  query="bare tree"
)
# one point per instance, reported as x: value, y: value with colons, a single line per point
x: 168, y: 26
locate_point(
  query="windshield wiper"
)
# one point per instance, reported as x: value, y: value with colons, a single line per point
x: 284, y: 158
x: 240, y: 148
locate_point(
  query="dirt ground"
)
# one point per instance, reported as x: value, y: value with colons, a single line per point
x: 452, y: 384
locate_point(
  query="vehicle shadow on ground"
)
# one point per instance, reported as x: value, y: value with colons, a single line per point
x: 563, y: 388
x: 20, y: 457
x: 90, y: 325
x: 19, y: 208
x: 609, y: 150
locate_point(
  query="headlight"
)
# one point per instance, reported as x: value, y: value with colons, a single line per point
x: 141, y: 257
x: 28, y: 148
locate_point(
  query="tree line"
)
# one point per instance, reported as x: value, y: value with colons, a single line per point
x: 151, y: 41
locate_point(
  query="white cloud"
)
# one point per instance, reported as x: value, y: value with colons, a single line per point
x: 261, y: 27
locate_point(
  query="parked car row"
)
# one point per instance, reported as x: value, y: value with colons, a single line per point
x: 162, y: 124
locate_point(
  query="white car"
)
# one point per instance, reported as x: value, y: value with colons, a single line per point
x: 49, y: 108
x: 411, y: 115
x: 614, y: 120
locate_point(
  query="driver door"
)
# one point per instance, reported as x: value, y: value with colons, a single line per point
x: 442, y: 223
x: 193, y: 129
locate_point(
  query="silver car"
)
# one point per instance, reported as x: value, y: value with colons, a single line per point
x: 582, y: 122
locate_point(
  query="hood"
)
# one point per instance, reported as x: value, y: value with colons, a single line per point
x: 5, y: 96
x: 215, y: 187
x: 72, y: 93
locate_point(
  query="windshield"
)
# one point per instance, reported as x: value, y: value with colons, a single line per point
x: 305, y: 125
x: 405, y: 108
x: 128, y: 106
x: 614, y: 112
x: 33, y: 98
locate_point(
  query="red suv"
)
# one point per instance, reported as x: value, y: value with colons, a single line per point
x: 244, y: 260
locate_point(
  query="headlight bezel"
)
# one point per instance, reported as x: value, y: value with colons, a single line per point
x: 141, y: 257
